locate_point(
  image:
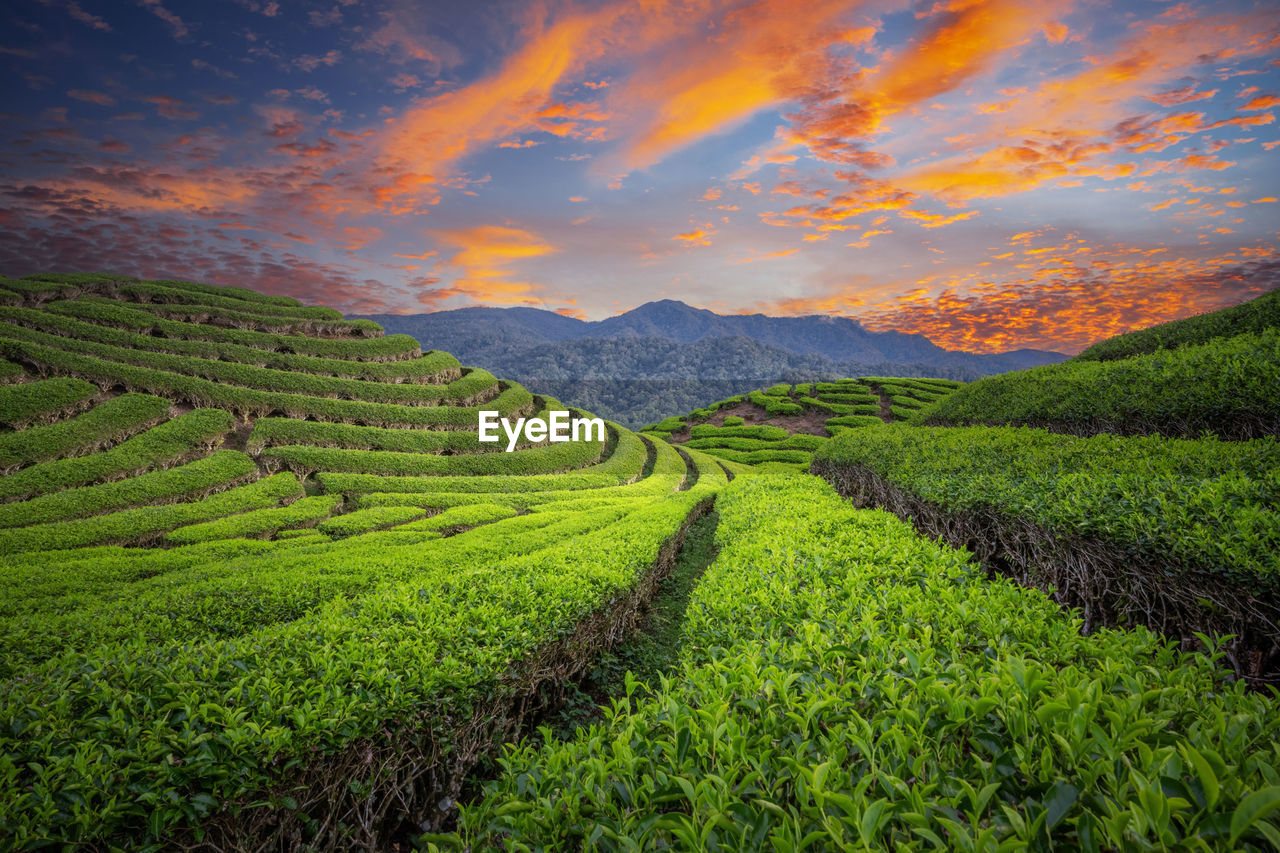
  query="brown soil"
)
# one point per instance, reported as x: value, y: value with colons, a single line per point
x: 809, y: 422
x: 238, y: 438
x: 886, y: 414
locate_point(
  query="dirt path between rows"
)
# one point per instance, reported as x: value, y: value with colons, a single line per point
x: 810, y: 422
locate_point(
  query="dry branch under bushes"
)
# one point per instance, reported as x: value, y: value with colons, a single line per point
x: 1112, y: 586
x: 376, y: 792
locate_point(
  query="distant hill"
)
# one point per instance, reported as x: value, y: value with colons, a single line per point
x: 668, y: 356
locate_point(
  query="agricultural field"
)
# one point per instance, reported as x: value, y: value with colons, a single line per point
x: 264, y: 587
x: 781, y: 426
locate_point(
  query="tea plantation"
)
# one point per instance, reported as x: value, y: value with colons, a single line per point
x: 263, y: 587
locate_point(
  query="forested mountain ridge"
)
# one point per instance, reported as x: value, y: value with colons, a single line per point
x: 685, y: 356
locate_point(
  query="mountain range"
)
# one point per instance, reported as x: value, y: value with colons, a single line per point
x: 667, y: 357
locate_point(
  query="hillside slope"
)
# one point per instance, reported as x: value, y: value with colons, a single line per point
x: 248, y: 552
x: 1225, y: 386
x: 263, y: 587
x: 1256, y: 315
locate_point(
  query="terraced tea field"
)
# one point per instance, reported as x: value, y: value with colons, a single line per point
x: 264, y: 588
x: 781, y: 426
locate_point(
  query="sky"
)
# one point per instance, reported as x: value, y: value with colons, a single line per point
x: 994, y: 175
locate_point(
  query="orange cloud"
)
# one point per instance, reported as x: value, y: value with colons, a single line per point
x: 697, y: 236
x: 753, y: 257
x: 1262, y: 102
x: 1072, y: 295
x: 763, y: 53
x: 485, y: 258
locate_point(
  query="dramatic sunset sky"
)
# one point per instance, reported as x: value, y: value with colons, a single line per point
x: 991, y: 174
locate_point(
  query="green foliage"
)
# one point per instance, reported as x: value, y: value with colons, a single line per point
x: 133, y: 318
x: 186, y: 482
x: 733, y: 420
x: 853, y: 421
x: 32, y: 401
x: 774, y: 405
x: 668, y: 425
x: 1257, y: 315
x: 130, y: 525
x: 250, y: 318
x: 624, y: 465
x: 274, y: 432
x: 799, y: 441
x: 228, y: 291
x: 827, y: 405
x: 850, y: 398
x: 475, y: 383
x: 109, y: 421
x: 1226, y: 386
x: 430, y: 368
x: 782, y: 390
x: 1194, y: 505
x: 871, y: 690
x: 762, y: 431
x: 156, y: 291
x: 364, y: 520
x: 542, y: 459
x: 171, y: 442
x: 432, y: 641
x: 755, y: 457
x: 458, y: 518
x: 250, y: 401
x: 258, y: 522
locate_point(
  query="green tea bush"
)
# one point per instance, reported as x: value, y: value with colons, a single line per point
x: 251, y: 401
x: 1257, y: 315
x: 1226, y: 387
x: 459, y: 518
x: 624, y: 465
x: 186, y: 482
x: 231, y: 291
x: 133, y: 318
x: 110, y: 421
x: 763, y: 431
x: 432, y: 368
x: 846, y: 684
x: 1182, y: 535
x: 364, y: 520
x: 131, y: 525
x: 258, y: 522
x: 542, y: 459
x: 172, y: 442
x: 47, y: 399
x: 756, y: 457
x: 853, y: 421
x: 473, y: 385
x: 154, y: 291
x: 774, y: 405
x: 424, y: 662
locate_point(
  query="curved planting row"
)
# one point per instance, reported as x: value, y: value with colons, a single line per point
x: 1225, y: 386
x: 363, y: 353
x: 1257, y: 315
x: 172, y: 338
x: 785, y: 424
x: 873, y: 690
x: 274, y: 585
x: 1181, y: 535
